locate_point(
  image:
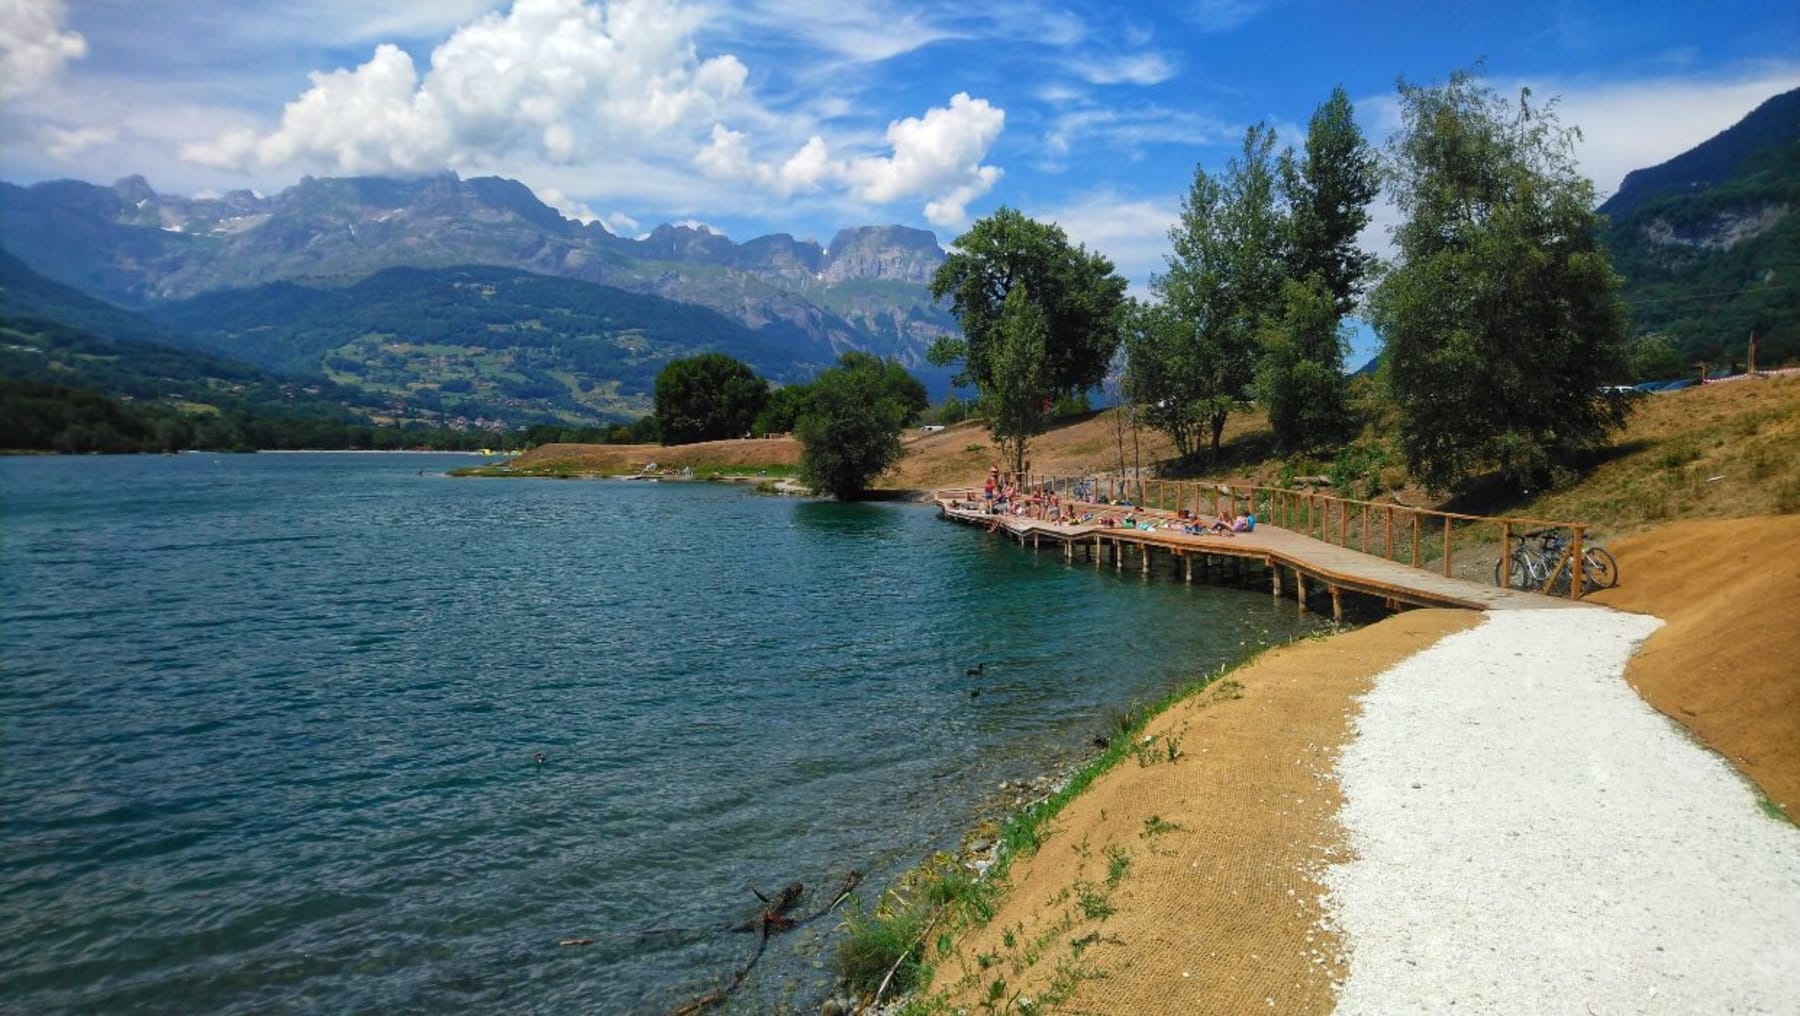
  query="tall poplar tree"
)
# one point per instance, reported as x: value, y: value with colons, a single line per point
x: 1502, y: 317
x: 1224, y: 278
x: 1328, y: 188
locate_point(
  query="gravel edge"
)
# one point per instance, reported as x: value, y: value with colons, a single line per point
x: 1528, y: 835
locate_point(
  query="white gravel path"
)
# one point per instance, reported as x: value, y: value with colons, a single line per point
x: 1531, y: 837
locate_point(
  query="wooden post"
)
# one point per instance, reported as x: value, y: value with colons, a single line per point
x: 1415, y: 539
x: 1343, y: 523
x: 1447, y: 546
x: 1096, y: 551
x: 1144, y: 550
x: 1118, y: 555
x: 1337, y: 605
x: 1387, y: 540
x: 1365, y: 528
x: 1576, y: 576
x: 1187, y: 563
x: 1505, y: 554
x: 1275, y: 578
x: 1300, y: 589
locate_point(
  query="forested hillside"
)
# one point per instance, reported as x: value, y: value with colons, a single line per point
x: 481, y: 341
x: 1709, y: 242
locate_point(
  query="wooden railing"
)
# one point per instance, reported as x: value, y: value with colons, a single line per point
x: 1421, y: 537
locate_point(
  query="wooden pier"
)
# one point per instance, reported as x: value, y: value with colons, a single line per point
x: 1289, y: 562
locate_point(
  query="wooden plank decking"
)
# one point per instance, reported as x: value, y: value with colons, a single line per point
x: 1313, y: 562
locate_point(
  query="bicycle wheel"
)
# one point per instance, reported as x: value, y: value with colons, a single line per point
x: 1522, y: 572
x: 1564, y: 573
x: 1600, y: 568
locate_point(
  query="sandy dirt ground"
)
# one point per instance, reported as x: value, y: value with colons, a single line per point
x: 619, y: 459
x: 1188, y: 886
x: 1727, y: 664
x: 1181, y: 886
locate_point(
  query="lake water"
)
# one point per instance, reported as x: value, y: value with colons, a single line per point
x: 269, y: 725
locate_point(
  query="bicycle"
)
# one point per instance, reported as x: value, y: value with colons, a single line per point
x: 1547, y: 568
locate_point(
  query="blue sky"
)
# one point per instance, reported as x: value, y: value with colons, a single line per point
x: 803, y: 116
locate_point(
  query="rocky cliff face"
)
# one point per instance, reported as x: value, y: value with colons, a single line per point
x: 1721, y: 231
x: 894, y: 253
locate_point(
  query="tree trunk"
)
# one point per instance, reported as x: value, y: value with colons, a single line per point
x: 1218, y: 430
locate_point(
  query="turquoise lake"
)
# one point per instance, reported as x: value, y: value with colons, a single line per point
x: 269, y: 725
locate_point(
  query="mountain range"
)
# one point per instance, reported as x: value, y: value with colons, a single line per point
x: 446, y: 296
x: 443, y: 300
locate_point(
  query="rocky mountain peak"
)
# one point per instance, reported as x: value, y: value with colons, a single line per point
x: 898, y: 253
x: 687, y: 243
x: 134, y: 189
x: 782, y: 254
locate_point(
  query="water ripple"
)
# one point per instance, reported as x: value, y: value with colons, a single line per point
x: 269, y: 725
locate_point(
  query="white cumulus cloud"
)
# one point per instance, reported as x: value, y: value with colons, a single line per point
x: 936, y: 157
x: 1132, y: 232
x: 558, y: 80
x: 34, y: 46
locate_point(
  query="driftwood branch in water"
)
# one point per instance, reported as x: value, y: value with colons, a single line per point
x: 774, y: 918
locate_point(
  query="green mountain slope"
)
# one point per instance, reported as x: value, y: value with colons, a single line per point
x: 482, y: 342
x: 1709, y: 242
x: 52, y: 334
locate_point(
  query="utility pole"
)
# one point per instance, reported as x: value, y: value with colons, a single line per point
x: 1752, y: 370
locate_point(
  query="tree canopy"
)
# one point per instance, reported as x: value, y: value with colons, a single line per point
x: 1160, y: 375
x: 1224, y: 275
x: 1502, y: 317
x: 850, y: 423
x: 1328, y: 189
x: 1068, y: 302
x: 709, y: 397
x: 1300, y: 378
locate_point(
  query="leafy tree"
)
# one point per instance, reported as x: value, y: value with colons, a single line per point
x: 1224, y: 276
x: 900, y: 382
x: 1300, y: 378
x: 1074, y: 297
x: 783, y: 411
x: 1161, y: 376
x: 1300, y: 375
x: 1653, y: 357
x: 1328, y: 191
x: 1502, y: 318
x: 709, y: 397
x: 850, y: 429
x: 1018, y: 369
x: 954, y: 410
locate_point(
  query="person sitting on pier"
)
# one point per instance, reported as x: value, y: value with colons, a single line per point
x: 1243, y: 523
x: 1223, y: 523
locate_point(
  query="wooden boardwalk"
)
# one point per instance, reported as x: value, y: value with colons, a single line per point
x: 1311, y: 562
